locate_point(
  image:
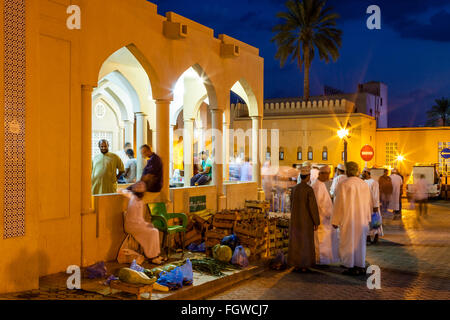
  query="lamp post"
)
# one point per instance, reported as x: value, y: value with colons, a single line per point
x: 345, y: 134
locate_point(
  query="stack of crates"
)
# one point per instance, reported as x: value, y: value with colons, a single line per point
x: 271, y: 236
x: 283, y: 229
x: 250, y: 229
x: 222, y: 225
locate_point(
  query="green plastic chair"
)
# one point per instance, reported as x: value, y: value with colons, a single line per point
x: 160, y: 220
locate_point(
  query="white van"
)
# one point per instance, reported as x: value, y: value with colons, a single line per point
x: 431, y: 176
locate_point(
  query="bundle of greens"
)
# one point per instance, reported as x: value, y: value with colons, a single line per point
x: 212, y: 266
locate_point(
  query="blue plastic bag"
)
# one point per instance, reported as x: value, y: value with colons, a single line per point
x: 376, y: 220
x: 97, y: 270
x: 173, y: 279
x: 188, y: 273
x: 134, y: 266
x: 240, y: 257
x: 231, y: 241
x: 196, y: 248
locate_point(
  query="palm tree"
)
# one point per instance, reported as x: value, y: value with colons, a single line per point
x: 439, y: 112
x: 307, y: 25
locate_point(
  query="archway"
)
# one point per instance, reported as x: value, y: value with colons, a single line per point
x: 125, y: 85
x: 193, y: 95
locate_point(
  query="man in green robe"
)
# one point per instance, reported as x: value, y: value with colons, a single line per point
x: 304, y: 221
x: 106, y: 170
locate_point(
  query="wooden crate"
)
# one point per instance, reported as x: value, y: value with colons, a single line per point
x: 136, y: 289
x: 223, y: 224
x: 216, y: 234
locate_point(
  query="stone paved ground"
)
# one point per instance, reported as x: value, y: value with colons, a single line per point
x: 414, y: 257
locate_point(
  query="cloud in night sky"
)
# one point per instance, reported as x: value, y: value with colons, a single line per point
x: 410, y: 53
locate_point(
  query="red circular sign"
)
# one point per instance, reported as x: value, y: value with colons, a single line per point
x: 367, y: 153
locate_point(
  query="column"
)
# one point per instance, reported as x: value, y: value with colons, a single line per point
x: 202, y: 137
x: 86, y: 149
x: 129, y: 128
x: 217, y: 140
x: 121, y: 138
x: 226, y: 151
x: 256, y: 154
x: 141, y: 139
x: 188, y: 150
x: 172, y: 127
x: 162, y: 142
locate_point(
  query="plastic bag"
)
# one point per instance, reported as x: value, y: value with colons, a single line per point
x: 196, y: 248
x: 97, y: 270
x: 136, y: 267
x: 376, y: 220
x: 188, y: 273
x: 231, y: 241
x: 172, y: 279
x: 240, y: 257
x: 279, y: 262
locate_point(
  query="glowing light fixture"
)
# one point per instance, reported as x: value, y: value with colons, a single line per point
x: 400, y: 158
x: 343, y: 133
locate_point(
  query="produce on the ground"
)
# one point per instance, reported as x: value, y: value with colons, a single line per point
x: 131, y: 276
x: 222, y: 253
x: 212, y: 266
x: 159, y: 287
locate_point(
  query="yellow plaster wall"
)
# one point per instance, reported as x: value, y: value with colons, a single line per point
x: 417, y: 145
x: 317, y: 131
x: 21, y: 257
x: 60, y: 61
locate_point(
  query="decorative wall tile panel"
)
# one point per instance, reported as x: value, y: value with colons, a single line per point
x: 14, y: 114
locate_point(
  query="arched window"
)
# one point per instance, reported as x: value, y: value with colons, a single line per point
x: 281, y: 153
x: 299, y: 153
x: 310, y: 153
x: 325, y: 154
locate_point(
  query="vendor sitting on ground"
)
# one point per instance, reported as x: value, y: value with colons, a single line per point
x: 205, y: 175
x: 135, y: 224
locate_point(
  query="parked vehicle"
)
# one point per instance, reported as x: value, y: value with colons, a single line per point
x: 431, y: 173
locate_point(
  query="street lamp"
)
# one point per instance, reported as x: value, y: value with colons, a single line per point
x: 345, y: 134
x: 399, y: 160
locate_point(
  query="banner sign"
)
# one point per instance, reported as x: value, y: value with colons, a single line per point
x: 197, y: 203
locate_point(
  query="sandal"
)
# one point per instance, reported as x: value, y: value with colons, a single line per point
x: 158, y: 261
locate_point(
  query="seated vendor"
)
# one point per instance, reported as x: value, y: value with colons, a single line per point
x: 205, y: 175
x: 142, y: 231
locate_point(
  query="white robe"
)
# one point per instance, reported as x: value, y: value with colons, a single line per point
x: 123, y: 156
x: 314, y: 176
x: 336, y: 180
x: 375, y: 192
x: 352, y: 214
x: 326, y: 237
x: 394, y: 202
x: 141, y: 230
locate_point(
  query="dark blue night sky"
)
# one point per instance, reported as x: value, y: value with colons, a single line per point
x: 411, y: 53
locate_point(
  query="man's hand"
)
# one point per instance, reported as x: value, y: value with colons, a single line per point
x: 375, y: 209
x: 335, y: 226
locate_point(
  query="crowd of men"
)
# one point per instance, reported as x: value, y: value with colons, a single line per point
x: 109, y: 169
x: 332, y: 225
